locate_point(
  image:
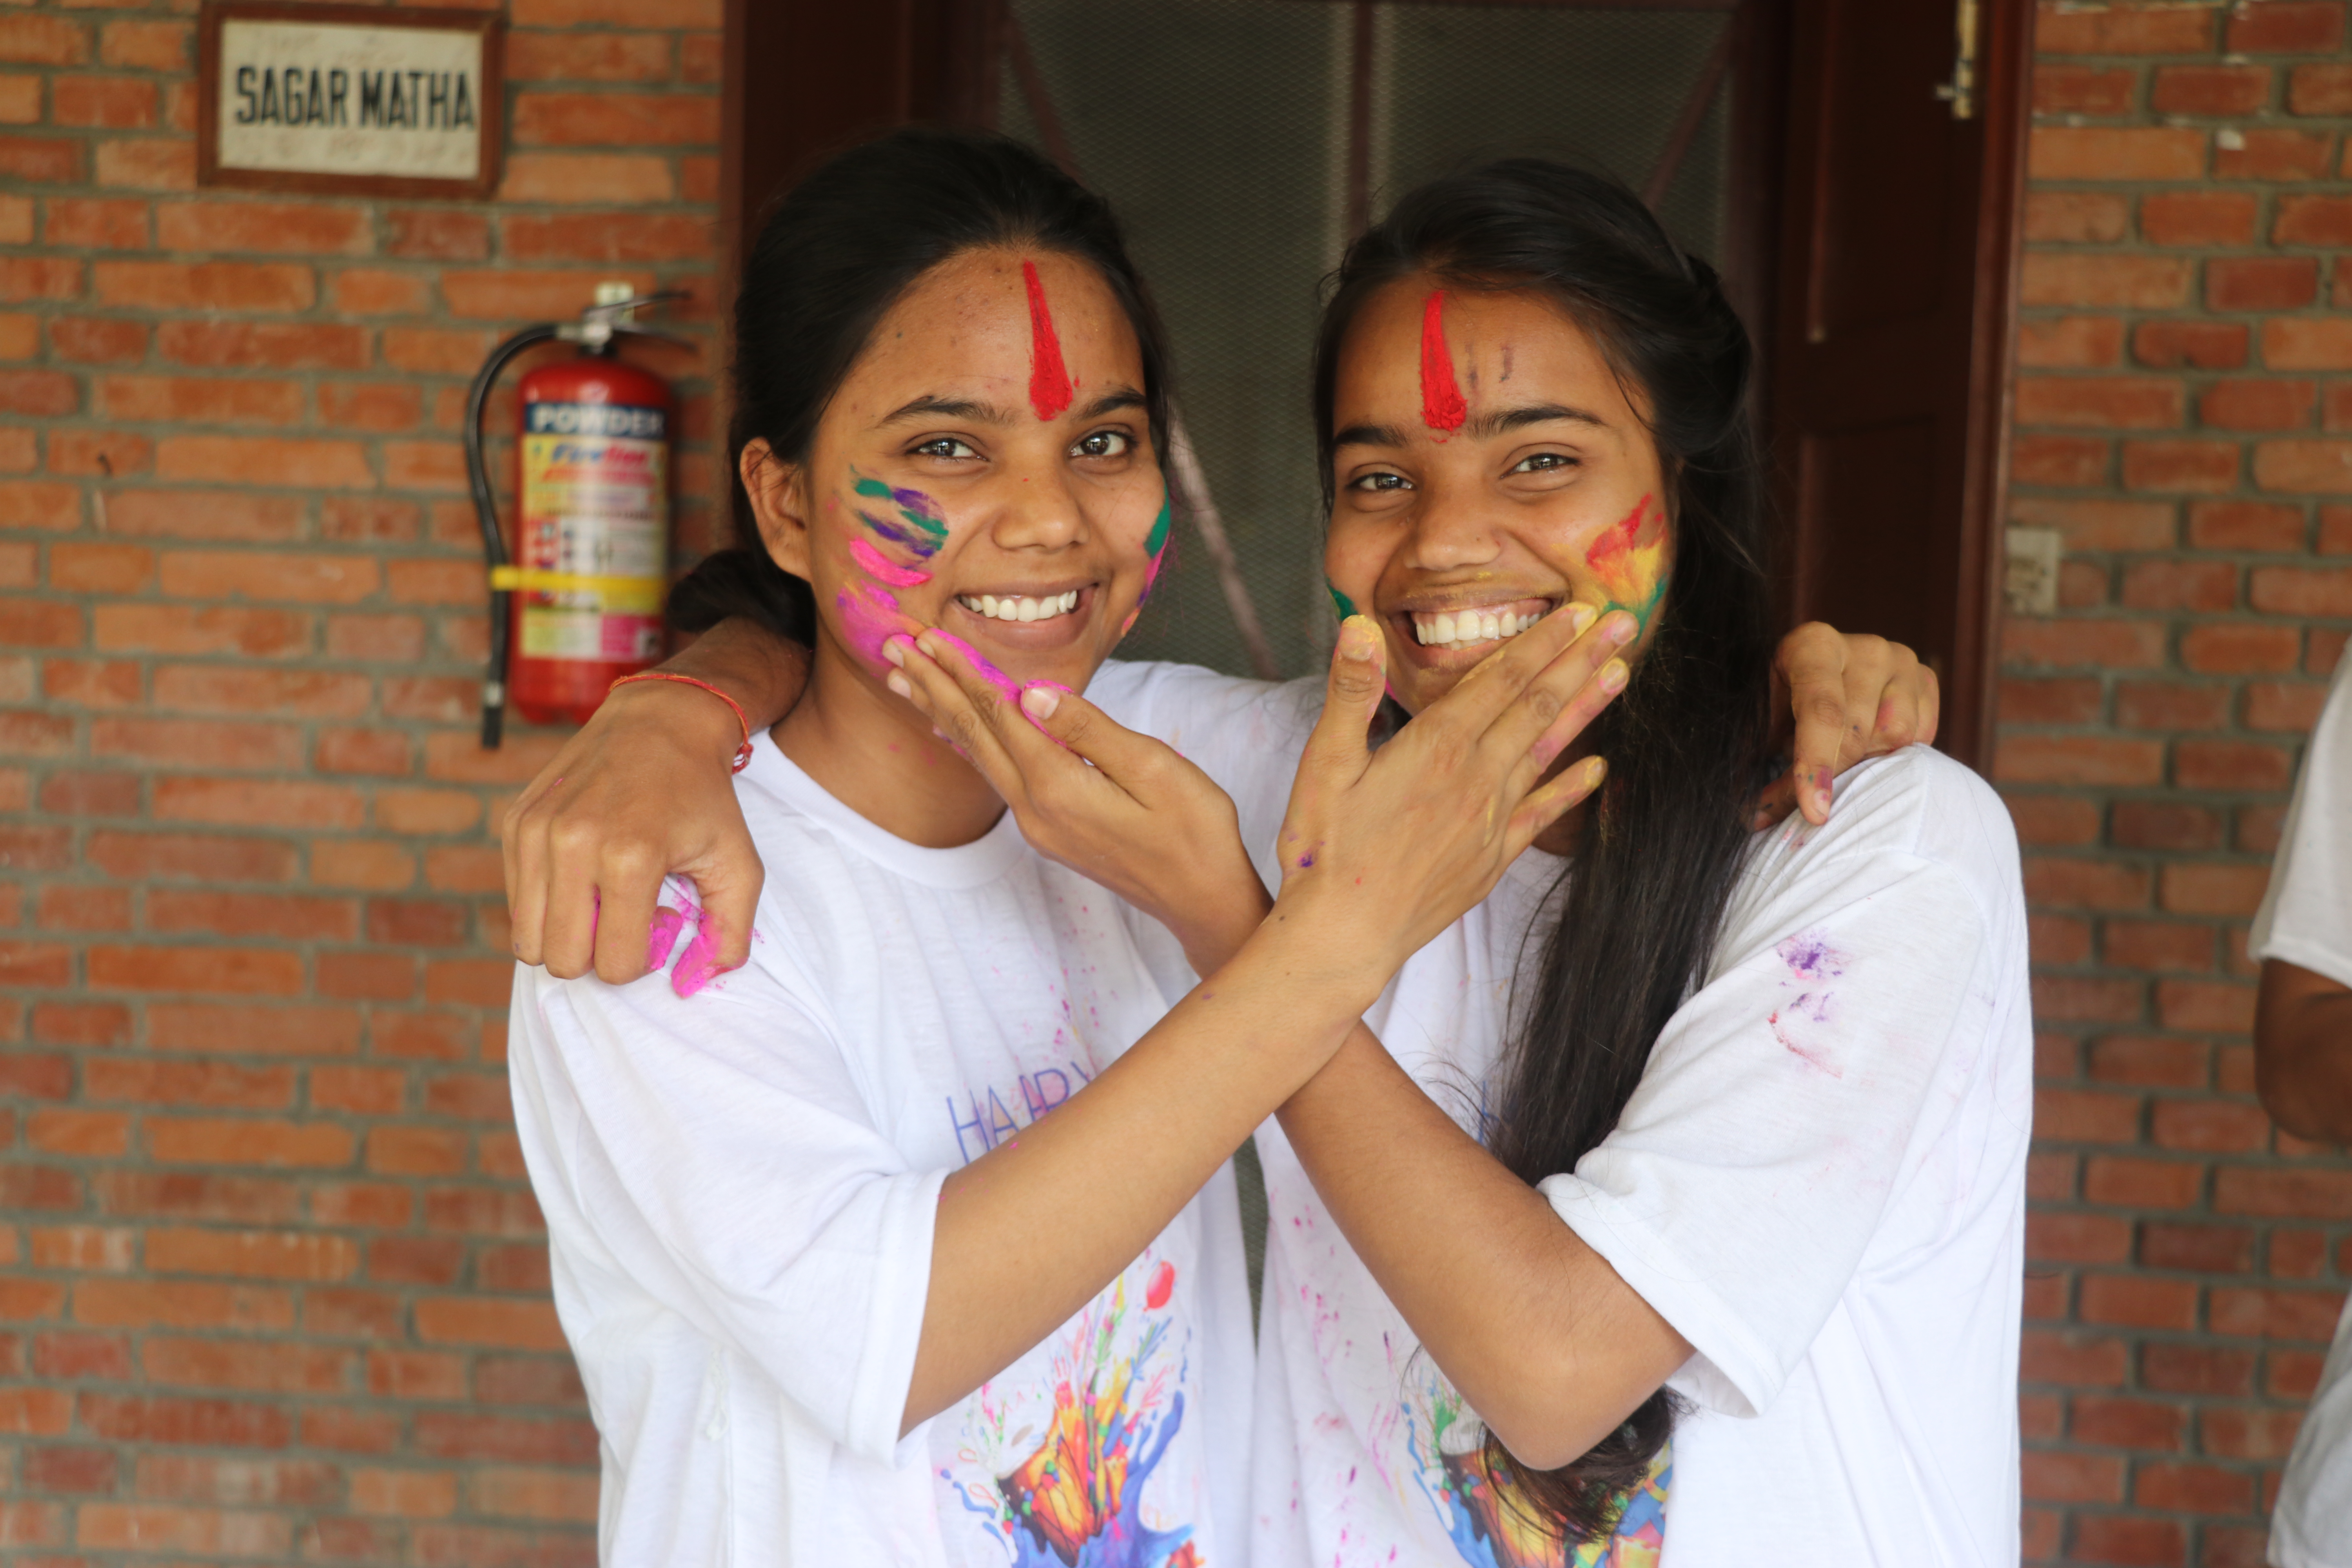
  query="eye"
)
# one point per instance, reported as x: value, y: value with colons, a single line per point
x: 1103, y: 443
x: 1542, y: 462
x: 946, y: 446
x: 1379, y: 481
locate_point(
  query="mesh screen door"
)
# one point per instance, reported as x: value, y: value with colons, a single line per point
x: 1244, y: 140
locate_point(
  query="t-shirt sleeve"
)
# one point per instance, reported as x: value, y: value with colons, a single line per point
x: 1781, y: 1110
x: 2306, y: 917
x: 720, y: 1154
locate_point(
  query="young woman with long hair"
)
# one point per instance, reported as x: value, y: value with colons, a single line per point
x: 841, y: 1289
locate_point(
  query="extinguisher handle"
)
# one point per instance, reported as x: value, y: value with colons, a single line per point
x: 486, y: 514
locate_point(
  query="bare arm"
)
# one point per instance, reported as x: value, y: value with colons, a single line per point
x: 1550, y: 1348
x: 642, y: 791
x: 2303, y: 1052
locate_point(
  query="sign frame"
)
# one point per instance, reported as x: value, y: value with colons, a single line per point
x: 489, y: 27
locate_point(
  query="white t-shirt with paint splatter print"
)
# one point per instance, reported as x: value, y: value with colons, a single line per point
x: 1820, y: 1183
x: 739, y: 1192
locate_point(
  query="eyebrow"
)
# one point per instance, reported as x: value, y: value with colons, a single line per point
x: 1484, y: 426
x: 980, y: 413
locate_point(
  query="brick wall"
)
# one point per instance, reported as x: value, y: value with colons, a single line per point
x: 2184, y: 418
x: 272, y: 1286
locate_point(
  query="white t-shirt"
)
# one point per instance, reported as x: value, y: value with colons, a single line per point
x: 739, y: 1193
x: 2307, y: 920
x: 1820, y: 1183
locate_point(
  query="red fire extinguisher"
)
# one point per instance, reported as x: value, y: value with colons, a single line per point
x: 592, y: 530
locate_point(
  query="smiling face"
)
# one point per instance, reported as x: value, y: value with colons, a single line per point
x: 986, y: 468
x: 1489, y: 468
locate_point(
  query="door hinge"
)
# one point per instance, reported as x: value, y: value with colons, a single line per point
x: 1960, y: 92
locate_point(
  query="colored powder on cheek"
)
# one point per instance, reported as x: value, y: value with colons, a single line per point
x: 869, y: 617
x: 879, y: 565
x: 663, y: 937
x: 914, y: 506
x: 1157, y: 541
x: 1442, y: 408
x: 922, y: 544
x: 1631, y: 567
x: 1340, y: 602
x: 1049, y: 383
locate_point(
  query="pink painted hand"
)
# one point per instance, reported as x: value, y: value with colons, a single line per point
x: 1140, y: 820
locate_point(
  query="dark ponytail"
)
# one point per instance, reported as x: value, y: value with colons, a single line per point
x: 832, y: 259
x: 1685, y: 742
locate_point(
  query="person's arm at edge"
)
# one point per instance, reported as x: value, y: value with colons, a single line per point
x: 588, y: 842
x: 2303, y: 1052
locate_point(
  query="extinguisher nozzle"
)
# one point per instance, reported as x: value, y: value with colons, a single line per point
x: 493, y: 726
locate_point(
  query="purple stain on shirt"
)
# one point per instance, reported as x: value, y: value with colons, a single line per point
x: 1810, y: 956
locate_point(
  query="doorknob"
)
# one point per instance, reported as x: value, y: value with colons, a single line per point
x: 1960, y: 92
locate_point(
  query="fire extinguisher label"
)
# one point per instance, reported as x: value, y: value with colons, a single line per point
x: 596, y: 504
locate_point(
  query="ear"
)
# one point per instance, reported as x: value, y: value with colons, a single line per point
x: 779, y: 493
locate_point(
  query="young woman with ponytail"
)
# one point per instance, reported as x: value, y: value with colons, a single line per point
x: 1667, y: 1206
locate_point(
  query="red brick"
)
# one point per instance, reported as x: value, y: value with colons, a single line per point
x: 2304, y: 467
x: 288, y: 227
x: 260, y: 461
x: 2262, y: 282
x: 2231, y: 764
x: 2134, y: 282
x: 2100, y: 525
x: 2072, y: 343
x: 42, y: 160
x: 2149, y: 946
x: 2305, y: 1315
x: 2243, y: 1434
x: 2313, y: 220
x: 2197, y: 1488
x: 2119, y: 152
x: 376, y: 291
x: 617, y: 120
x: 2077, y: 759
x: 206, y: 285
x: 2094, y: 1360
x: 95, y: 339
x: 2124, y: 30
x: 2075, y: 217
x: 2308, y: 343
x: 2200, y: 1248
x: 2137, y: 1302
x: 2222, y: 648
x: 2278, y: 705
x: 70, y: 1470
x: 210, y: 1422
x: 104, y: 102
x: 2320, y: 89
x: 38, y: 39
x: 2274, y: 156
x: 266, y: 346
x: 2077, y: 1238
x: 2246, y: 525
x: 2287, y: 26
x: 202, y: 400
x: 2301, y: 591
x: 2210, y: 1126
x: 2094, y: 643
x: 430, y: 234
x: 2082, y: 89
x: 2251, y: 404
x: 606, y: 236
x: 39, y: 278
x: 205, y: 858
x: 596, y: 179
x: 2227, y: 91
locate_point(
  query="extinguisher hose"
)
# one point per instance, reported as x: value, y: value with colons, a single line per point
x: 486, y: 512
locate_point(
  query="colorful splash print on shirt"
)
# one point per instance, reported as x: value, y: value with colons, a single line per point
x: 1442, y: 408
x: 1489, y: 1527
x: 1629, y: 558
x: 1074, y: 1498
x: 1049, y: 381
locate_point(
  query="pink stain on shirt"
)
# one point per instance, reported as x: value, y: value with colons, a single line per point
x: 881, y: 567
x: 1049, y: 381
x: 663, y: 936
x: 1442, y: 408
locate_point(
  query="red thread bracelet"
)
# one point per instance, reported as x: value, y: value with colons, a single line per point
x: 743, y: 752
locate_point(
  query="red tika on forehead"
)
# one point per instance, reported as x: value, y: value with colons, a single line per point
x: 1049, y: 383
x: 1442, y: 408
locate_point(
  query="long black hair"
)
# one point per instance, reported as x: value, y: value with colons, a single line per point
x: 832, y: 259
x: 1687, y: 740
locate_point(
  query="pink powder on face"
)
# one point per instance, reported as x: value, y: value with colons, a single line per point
x: 870, y: 617
x: 881, y: 567
x: 663, y: 936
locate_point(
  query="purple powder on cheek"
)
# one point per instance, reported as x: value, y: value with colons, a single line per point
x: 663, y: 936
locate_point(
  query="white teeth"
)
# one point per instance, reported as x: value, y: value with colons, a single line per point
x: 990, y: 607
x: 1466, y: 628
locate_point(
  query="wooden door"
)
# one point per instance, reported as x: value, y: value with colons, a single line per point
x: 1890, y: 346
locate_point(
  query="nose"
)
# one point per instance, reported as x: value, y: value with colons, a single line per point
x: 1038, y: 510
x: 1453, y: 528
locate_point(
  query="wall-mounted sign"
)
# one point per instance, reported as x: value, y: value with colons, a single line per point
x: 354, y: 99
